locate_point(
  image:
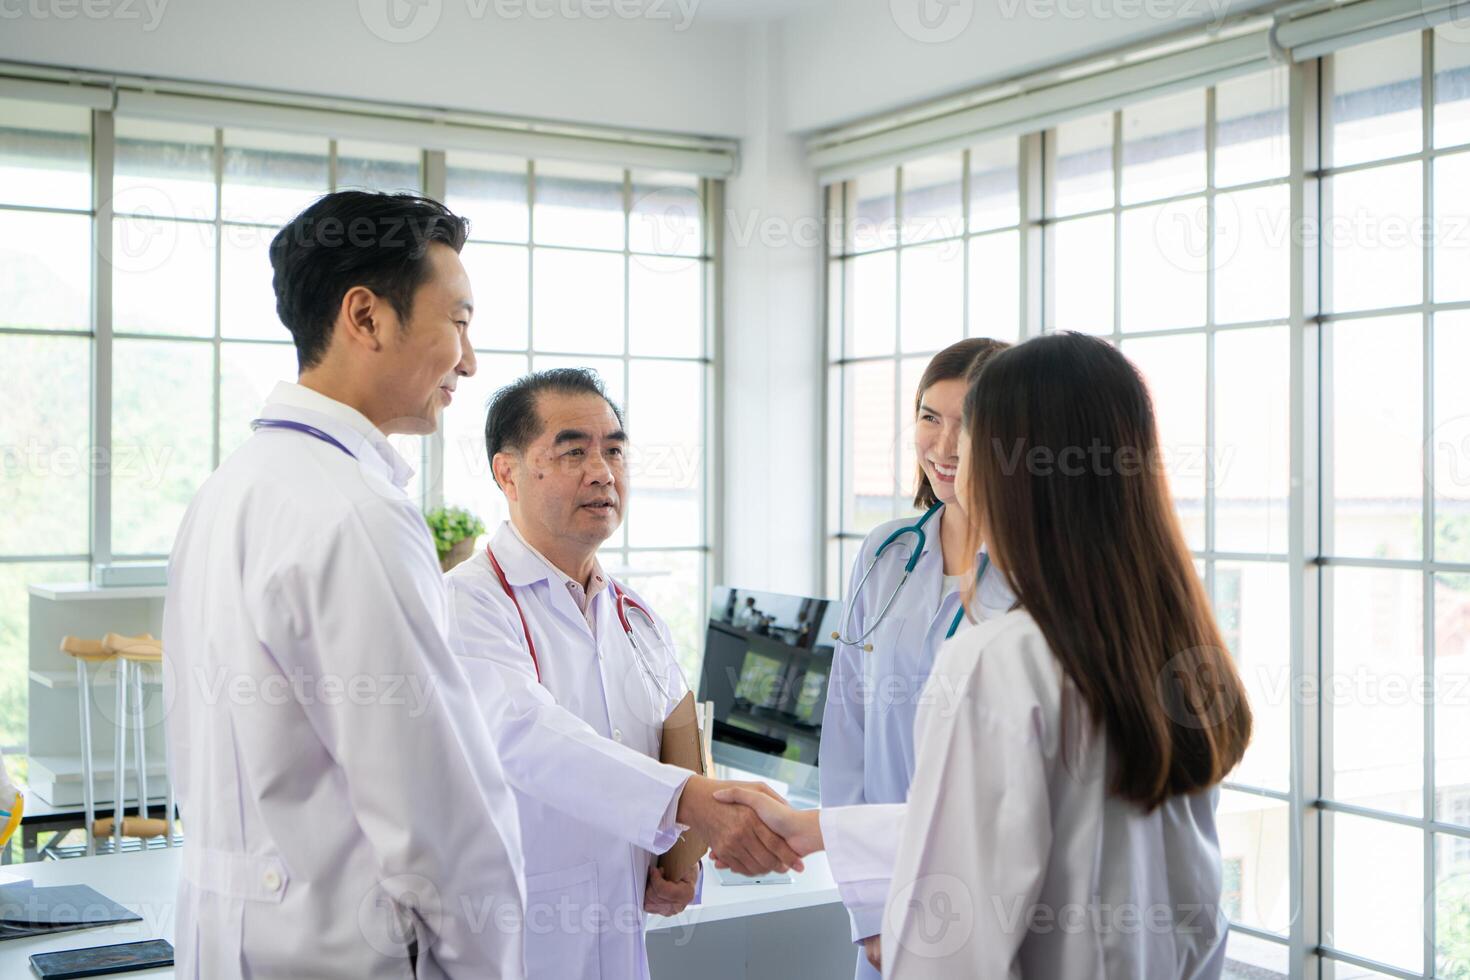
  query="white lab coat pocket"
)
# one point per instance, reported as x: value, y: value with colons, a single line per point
x: 890, y: 669
x: 565, y: 919
x: 885, y: 638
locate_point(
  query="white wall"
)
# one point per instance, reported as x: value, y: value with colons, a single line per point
x: 657, y: 71
x: 850, y: 59
x: 772, y: 353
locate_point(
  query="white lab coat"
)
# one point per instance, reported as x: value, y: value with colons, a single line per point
x: 1014, y: 860
x: 580, y: 749
x: 867, y: 751
x: 341, y: 792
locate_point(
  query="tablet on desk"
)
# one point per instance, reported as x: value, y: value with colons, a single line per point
x: 732, y: 877
x: 98, y: 961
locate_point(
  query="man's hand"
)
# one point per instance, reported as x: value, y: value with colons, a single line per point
x: 873, y: 950
x: 665, y: 897
x: 735, y: 833
x: 801, y: 829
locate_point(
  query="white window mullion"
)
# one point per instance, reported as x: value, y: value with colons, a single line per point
x: 103, y: 152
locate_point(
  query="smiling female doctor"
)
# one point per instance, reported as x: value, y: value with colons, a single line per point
x: 1061, y: 821
x: 903, y: 601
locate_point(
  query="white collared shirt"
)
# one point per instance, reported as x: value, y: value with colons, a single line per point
x: 580, y: 594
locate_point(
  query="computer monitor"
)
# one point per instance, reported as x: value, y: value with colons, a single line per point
x: 767, y: 661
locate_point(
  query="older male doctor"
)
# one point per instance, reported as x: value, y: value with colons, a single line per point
x: 548, y: 641
x: 347, y: 813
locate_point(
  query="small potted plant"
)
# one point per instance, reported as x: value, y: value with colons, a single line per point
x: 455, y: 530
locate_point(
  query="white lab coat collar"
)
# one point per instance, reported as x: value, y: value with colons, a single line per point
x: 289, y: 400
x: 523, y: 564
x: 599, y: 577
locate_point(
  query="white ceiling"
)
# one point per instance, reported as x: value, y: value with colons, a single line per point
x: 847, y: 59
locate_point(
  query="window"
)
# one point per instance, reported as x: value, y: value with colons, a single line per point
x: 1232, y: 873
x: 46, y: 222
x: 615, y: 276
x: 1167, y: 227
x: 604, y: 268
x: 1187, y: 214
x: 923, y: 255
x: 1394, y: 589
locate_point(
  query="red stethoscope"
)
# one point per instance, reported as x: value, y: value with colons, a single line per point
x: 625, y: 607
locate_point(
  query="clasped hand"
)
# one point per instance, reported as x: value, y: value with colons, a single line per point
x: 742, y: 823
x: 749, y: 826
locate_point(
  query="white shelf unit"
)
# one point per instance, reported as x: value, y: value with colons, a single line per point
x: 53, y: 728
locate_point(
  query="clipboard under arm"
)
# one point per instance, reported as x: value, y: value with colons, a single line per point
x: 685, y: 743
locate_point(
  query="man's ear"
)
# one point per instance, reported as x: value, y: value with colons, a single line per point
x: 503, y: 467
x: 360, y: 318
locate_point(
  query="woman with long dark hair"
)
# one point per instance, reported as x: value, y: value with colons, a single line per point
x: 1061, y: 819
x: 902, y: 602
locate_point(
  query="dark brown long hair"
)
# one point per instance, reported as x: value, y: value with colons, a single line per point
x: 1066, y: 476
x: 957, y: 361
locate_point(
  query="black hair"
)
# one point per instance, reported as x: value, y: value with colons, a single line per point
x: 512, y: 420
x: 354, y: 238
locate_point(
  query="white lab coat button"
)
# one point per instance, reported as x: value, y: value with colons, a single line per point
x: 617, y: 734
x: 272, y: 880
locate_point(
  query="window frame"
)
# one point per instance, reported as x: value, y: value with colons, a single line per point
x: 1309, y: 565
x: 101, y: 338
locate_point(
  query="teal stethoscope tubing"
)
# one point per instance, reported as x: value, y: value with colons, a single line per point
x: 916, y: 529
x: 959, y: 613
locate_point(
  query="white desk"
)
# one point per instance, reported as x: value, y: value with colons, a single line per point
x: 795, y: 930
x: 143, y: 882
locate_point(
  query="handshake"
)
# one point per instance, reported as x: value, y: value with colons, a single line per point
x: 750, y: 828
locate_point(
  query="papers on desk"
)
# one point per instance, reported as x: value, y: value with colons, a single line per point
x: 26, y: 910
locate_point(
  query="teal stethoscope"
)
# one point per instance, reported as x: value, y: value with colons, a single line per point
x: 917, y: 530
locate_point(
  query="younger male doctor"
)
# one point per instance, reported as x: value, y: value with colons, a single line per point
x: 577, y: 715
x: 347, y: 812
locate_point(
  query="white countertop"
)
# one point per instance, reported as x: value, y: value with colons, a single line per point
x: 71, y: 591
x: 145, y: 882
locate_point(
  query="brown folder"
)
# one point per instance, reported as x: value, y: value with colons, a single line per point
x: 684, y: 745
